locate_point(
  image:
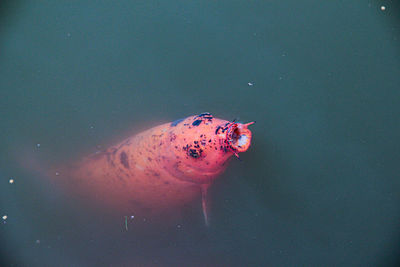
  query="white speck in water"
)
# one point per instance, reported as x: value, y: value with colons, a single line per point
x: 383, y: 8
x: 91, y: 127
x: 250, y: 84
x: 11, y: 181
x: 37, y: 241
x: 38, y: 145
x: 68, y: 34
x: 132, y: 216
x: 57, y: 173
x: 5, y: 217
x: 179, y: 226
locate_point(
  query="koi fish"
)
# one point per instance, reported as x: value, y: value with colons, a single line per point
x: 161, y: 168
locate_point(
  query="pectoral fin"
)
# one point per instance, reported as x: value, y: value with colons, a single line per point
x: 204, y: 203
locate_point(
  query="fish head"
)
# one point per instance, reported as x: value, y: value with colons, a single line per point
x: 201, y: 146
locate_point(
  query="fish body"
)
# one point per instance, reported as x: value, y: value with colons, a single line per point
x: 162, y: 168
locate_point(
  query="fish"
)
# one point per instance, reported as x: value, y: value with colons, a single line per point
x: 160, y: 169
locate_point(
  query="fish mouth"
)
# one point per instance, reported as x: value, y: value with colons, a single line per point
x: 238, y: 137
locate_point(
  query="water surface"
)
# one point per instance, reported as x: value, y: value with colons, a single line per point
x: 318, y: 187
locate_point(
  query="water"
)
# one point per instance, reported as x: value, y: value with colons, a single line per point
x: 318, y: 187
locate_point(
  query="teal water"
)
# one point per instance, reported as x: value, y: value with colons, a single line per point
x: 318, y: 187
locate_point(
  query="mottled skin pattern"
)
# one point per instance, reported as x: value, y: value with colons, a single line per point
x: 161, y: 168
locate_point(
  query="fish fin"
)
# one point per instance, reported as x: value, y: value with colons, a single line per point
x: 237, y: 156
x: 204, y: 189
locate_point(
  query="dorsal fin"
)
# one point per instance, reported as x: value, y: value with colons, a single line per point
x: 204, y: 202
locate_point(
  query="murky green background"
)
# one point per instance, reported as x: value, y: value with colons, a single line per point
x: 320, y: 184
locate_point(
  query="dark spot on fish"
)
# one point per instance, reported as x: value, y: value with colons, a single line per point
x: 205, y: 115
x: 150, y: 159
x: 196, y: 122
x: 176, y: 122
x: 194, y: 153
x: 166, y: 182
x: 224, y: 148
x: 209, y: 141
x: 124, y: 159
x: 216, y: 131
